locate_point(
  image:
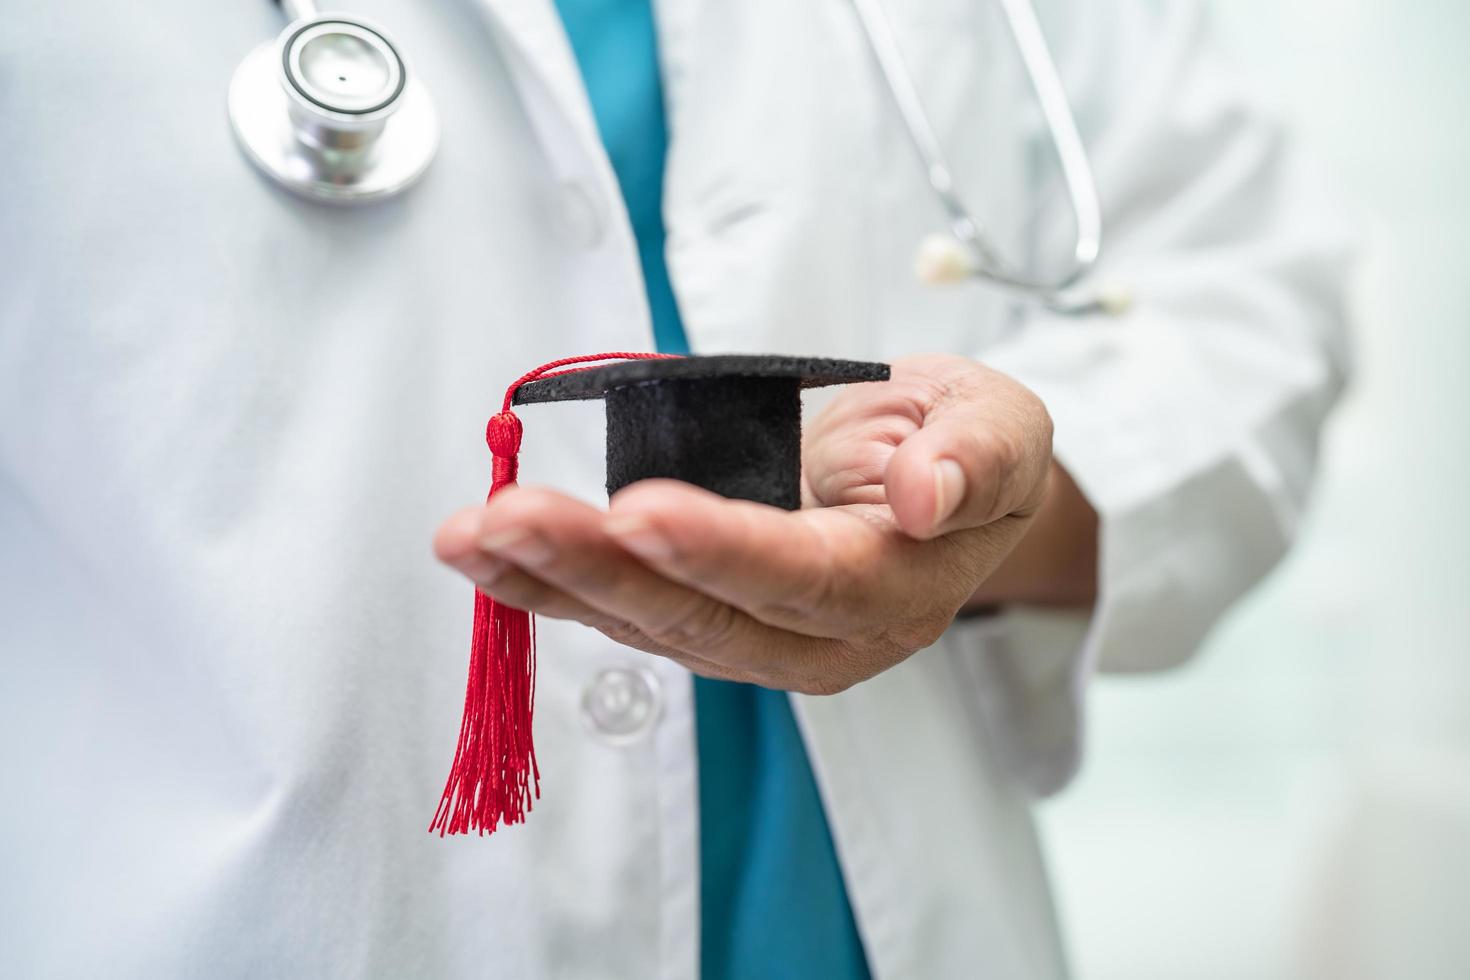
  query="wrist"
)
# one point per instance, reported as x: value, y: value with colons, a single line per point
x: 1055, y: 562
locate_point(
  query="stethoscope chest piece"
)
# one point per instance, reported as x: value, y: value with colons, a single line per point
x: 330, y: 111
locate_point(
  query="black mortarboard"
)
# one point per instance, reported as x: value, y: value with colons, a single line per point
x: 729, y: 423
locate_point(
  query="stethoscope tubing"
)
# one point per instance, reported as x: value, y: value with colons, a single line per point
x: 1051, y: 96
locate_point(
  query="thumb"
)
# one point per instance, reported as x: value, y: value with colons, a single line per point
x: 978, y: 457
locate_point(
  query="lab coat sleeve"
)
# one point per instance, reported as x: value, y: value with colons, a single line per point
x: 1191, y: 422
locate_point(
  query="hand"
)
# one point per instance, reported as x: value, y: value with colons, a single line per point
x: 914, y: 492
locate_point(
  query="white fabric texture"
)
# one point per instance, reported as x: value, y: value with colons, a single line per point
x: 230, y: 421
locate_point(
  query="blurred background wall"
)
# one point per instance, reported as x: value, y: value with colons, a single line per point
x: 1296, y: 802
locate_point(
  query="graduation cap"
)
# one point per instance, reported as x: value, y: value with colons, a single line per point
x: 728, y: 423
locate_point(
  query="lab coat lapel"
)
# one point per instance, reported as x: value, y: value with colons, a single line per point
x: 547, y: 77
x: 767, y: 171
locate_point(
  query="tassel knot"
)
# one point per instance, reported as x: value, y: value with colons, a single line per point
x: 503, y: 435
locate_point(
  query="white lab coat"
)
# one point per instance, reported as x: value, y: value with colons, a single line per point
x: 230, y: 422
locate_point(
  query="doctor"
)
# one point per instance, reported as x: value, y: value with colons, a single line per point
x: 230, y: 421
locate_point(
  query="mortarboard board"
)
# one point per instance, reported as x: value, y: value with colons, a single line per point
x: 728, y: 423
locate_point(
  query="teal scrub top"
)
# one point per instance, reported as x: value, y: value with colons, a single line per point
x: 772, y: 899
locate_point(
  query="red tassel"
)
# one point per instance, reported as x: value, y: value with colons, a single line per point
x: 494, y: 778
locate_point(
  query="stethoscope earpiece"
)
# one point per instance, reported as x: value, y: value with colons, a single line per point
x: 330, y: 111
x: 1113, y: 298
x: 942, y: 259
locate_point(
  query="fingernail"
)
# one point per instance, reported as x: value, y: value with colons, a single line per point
x: 519, y: 546
x: 949, y: 489
x: 484, y: 570
x: 478, y: 567
x: 639, y: 537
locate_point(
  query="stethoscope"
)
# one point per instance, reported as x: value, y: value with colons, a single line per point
x: 330, y: 111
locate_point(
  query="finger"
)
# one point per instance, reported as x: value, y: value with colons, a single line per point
x: 456, y: 544
x: 845, y: 451
x: 561, y: 542
x: 827, y: 572
x: 521, y: 590
x: 846, y: 465
x: 983, y: 453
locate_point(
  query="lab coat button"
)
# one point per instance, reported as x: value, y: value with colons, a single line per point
x: 578, y: 217
x: 621, y: 705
